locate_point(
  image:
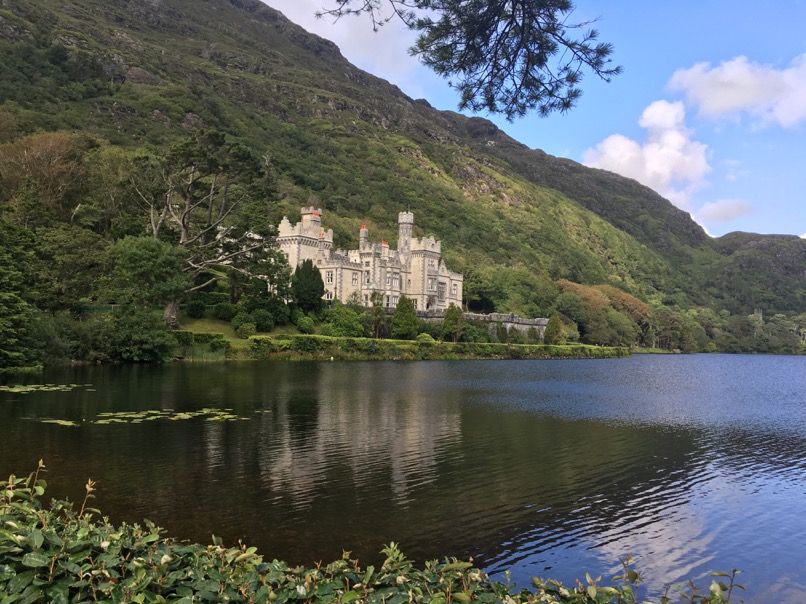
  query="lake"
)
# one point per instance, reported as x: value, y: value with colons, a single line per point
x: 547, y: 468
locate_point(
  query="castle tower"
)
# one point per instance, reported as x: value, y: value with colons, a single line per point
x: 405, y: 226
x: 363, y: 238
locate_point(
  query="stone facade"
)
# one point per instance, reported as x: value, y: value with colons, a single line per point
x: 415, y: 270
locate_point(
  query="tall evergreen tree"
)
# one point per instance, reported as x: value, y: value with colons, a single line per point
x: 307, y: 287
x: 405, y: 323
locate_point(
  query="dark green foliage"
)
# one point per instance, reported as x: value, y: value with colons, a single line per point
x: 405, y: 324
x: 307, y: 287
x: 137, y: 336
x: 453, y: 324
x: 553, y: 333
x: 148, y: 271
x: 245, y: 330
x: 432, y: 328
x: 264, y: 320
x: 219, y: 345
x: 343, y: 321
x: 196, y: 309
x: 241, y: 319
x: 15, y: 314
x: 305, y: 324
x: 225, y: 311
x: 183, y: 338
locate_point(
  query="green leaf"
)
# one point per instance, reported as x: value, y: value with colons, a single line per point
x: 6, y: 572
x: 20, y: 582
x: 35, y: 539
x: 349, y: 597
x: 35, y: 560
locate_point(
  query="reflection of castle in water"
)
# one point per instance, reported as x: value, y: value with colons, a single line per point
x: 333, y: 425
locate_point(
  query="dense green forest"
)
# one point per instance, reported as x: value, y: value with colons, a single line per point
x: 147, y: 151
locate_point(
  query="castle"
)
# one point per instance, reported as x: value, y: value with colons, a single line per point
x: 414, y: 270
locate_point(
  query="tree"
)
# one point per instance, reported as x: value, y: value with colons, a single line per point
x: 69, y: 262
x: 149, y: 272
x: 503, y: 56
x: 405, y: 324
x: 453, y: 324
x: 554, y: 331
x: 200, y: 194
x: 307, y: 287
x: 379, y: 327
x: 343, y: 321
x: 41, y: 176
x: 15, y: 314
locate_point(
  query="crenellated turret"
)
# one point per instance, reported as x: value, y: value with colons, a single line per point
x: 405, y: 225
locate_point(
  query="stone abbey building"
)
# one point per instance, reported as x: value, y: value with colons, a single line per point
x: 415, y: 270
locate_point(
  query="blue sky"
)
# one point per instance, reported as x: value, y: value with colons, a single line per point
x: 710, y: 110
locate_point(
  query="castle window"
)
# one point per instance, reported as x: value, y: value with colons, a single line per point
x: 366, y: 263
x: 415, y: 303
x: 329, y: 276
x: 366, y: 276
x: 328, y: 295
x: 355, y: 278
x: 430, y: 284
x: 396, y: 280
x: 443, y: 288
x: 454, y: 289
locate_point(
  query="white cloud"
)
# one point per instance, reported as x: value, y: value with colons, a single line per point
x: 669, y: 161
x: 740, y: 86
x: 724, y: 210
x: 803, y: 236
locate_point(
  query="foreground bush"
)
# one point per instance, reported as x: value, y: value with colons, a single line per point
x: 58, y: 554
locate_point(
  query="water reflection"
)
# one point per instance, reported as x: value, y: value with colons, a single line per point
x: 545, y: 468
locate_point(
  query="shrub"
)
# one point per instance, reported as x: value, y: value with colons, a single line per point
x: 225, y: 311
x: 195, y: 309
x: 242, y: 318
x: 137, y: 336
x: 207, y: 337
x: 219, y: 345
x: 264, y: 320
x: 305, y: 324
x: 183, y: 338
x: 245, y: 330
x: 425, y: 339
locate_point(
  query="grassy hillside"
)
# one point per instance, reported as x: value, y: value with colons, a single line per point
x: 134, y: 73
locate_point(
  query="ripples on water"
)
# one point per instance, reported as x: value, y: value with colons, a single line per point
x: 692, y: 463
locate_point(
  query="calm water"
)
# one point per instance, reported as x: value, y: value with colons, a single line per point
x: 548, y: 468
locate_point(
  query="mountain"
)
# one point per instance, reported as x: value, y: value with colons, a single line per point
x: 144, y: 73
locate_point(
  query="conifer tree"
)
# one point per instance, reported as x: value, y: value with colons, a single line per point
x: 405, y: 323
x: 502, y: 56
x: 307, y: 287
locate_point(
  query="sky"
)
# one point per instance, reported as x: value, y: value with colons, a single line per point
x: 710, y: 110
